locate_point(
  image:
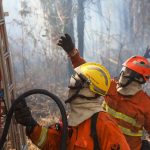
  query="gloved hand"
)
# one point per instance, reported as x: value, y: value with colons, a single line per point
x: 23, y: 115
x: 145, y: 145
x: 66, y: 43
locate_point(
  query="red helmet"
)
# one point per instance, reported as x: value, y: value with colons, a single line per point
x: 138, y: 64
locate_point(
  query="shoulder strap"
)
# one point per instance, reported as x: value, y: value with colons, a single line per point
x: 94, y: 132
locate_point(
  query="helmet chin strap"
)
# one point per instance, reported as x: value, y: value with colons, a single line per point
x: 126, y: 84
x: 70, y: 99
x: 88, y: 98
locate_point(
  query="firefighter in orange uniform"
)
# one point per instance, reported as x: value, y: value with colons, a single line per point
x: 125, y: 101
x: 87, y: 88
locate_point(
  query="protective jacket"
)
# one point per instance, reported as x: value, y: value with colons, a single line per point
x: 132, y: 113
x: 109, y: 136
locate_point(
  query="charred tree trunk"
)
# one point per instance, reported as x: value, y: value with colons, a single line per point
x: 69, y: 28
x: 80, y: 26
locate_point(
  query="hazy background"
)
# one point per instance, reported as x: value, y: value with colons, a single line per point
x: 105, y: 31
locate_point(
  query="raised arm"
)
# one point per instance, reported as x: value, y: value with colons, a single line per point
x: 68, y: 46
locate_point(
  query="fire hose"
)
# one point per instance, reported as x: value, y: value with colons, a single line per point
x: 23, y: 96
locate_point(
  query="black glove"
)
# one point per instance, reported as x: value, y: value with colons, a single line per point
x: 66, y: 43
x: 145, y: 145
x: 23, y: 115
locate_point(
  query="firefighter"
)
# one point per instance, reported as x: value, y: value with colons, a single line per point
x: 125, y: 101
x: 87, y: 87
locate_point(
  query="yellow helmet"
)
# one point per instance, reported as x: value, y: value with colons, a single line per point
x: 96, y: 75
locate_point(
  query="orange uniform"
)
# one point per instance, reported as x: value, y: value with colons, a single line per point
x: 109, y: 136
x: 131, y: 113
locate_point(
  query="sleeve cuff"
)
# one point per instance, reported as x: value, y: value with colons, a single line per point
x: 73, y: 52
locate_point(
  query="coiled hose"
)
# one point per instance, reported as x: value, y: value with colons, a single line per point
x: 23, y: 96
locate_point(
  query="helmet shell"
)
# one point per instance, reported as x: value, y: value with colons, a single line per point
x: 138, y: 64
x: 97, y: 76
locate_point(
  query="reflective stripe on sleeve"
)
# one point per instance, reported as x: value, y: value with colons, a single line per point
x: 127, y: 131
x: 120, y: 115
x: 42, y: 137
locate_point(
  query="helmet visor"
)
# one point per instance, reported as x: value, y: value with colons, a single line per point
x: 77, y: 81
x: 127, y: 76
